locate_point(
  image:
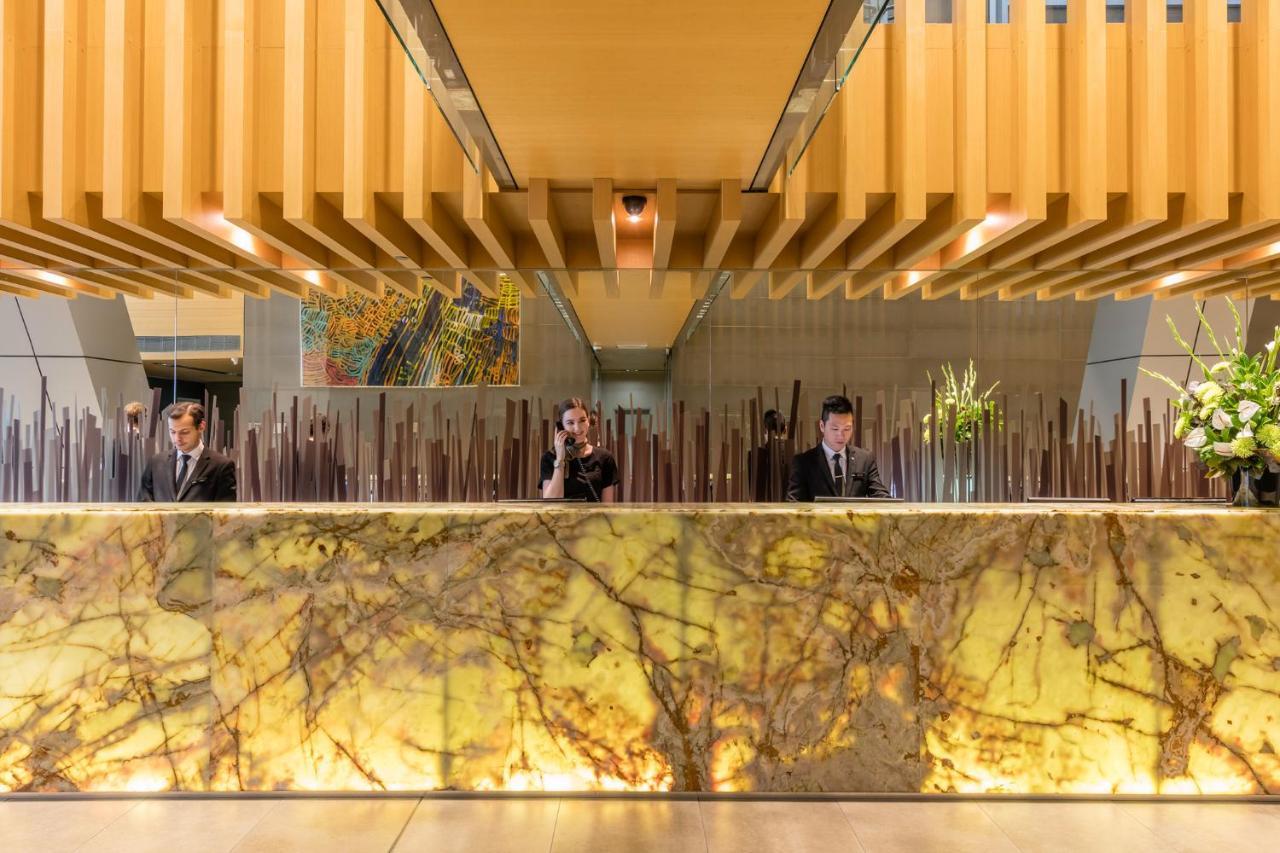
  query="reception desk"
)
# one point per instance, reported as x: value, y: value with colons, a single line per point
x: 884, y: 648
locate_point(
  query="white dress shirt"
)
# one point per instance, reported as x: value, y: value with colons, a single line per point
x: 831, y: 465
x: 191, y: 465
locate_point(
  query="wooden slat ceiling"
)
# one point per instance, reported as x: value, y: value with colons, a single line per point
x: 577, y: 89
x: 177, y: 147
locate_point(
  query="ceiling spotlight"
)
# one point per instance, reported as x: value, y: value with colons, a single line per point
x: 634, y: 206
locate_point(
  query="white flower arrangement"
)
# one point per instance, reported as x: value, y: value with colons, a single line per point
x: 1231, y: 417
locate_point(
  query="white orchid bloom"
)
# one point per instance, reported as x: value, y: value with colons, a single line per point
x: 1223, y: 448
x: 1247, y: 432
x: 1271, y: 345
x: 1196, y: 438
x: 1247, y: 409
x: 1195, y: 384
x: 1221, y: 420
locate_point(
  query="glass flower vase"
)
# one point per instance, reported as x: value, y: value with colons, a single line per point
x: 1246, y: 496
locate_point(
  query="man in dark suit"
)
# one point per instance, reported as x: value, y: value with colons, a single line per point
x: 835, y: 468
x: 191, y: 472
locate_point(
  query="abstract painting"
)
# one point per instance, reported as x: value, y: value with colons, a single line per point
x: 396, y: 341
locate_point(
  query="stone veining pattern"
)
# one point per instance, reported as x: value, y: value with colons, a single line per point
x: 899, y: 649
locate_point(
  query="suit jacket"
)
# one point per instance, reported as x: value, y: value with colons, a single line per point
x: 212, y: 479
x: 811, y: 476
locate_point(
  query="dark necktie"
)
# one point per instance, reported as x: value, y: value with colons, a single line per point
x: 182, y: 471
x: 838, y: 474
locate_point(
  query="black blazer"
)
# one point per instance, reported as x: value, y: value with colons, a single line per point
x: 213, y: 479
x: 811, y: 476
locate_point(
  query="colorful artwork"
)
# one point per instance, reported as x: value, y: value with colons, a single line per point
x: 397, y: 341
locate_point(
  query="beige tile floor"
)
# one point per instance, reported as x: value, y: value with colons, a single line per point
x: 624, y: 825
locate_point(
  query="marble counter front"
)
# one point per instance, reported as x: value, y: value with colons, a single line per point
x: 1017, y: 649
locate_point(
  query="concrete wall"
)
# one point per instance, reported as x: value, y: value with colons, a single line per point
x: 85, y: 347
x: 639, y: 389
x: 873, y: 345
x: 1135, y: 334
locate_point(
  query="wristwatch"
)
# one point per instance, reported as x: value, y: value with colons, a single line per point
x: 559, y: 463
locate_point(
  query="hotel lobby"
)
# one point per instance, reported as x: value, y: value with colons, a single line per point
x: 807, y: 426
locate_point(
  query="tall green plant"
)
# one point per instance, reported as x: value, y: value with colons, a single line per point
x: 960, y: 404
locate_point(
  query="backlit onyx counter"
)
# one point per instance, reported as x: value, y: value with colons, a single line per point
x: 788, y: 649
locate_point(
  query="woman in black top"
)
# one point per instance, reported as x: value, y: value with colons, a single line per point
x: 576, y: 469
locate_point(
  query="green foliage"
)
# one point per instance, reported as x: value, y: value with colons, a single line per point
x: 1231, y: 417
x: 958, y: 403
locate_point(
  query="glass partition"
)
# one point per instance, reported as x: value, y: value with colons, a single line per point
x: 813, y: 103
x: 368, y: 385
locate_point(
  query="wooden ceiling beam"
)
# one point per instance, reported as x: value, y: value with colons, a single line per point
x: 947, y: 284
x: 991, y: 281
x: 863, y: 282
x: 1207, y: 235
x: 69, y: 74
x: 872, y: 247
x: 16, y: 284
x: 77, y: 283
x: 782, y: 223
x: 606, y: 231
x: 971, y: 204
x: 1027, y: 206
x: 664, y: 234
x: 944, y: 224
x: 1085, y: 203
x: 1082, y: 282
x: 725, y: 220
x: 486, y: 222
x: 784, y: 220
x: 545, y: 222
x: 67, y: 68
x: 782, y: 283
x: 448, y: 283
x: 1086, y: 114
x: 116, y: 281
x: 429, y: 147
x: 41, y: 253
x: 1206, y: 202
x: 903, y: 283
x: 1167, y: 283
x: 1146, y: 204
x: 188, y: 137
x: 243, y: 204
x: 875, y: 239
x: 1258, y: 127
x: 303, y: 207
x: 367, y: 98
x: 822, y: 282
x: 848, y: 209
x: 1031, y: 283
x: 1179, y: 225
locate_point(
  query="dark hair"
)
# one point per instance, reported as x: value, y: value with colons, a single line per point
x: 178, y: 410
x: 773, y: 421
x: 570, y: 404
x: 836, y: 404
